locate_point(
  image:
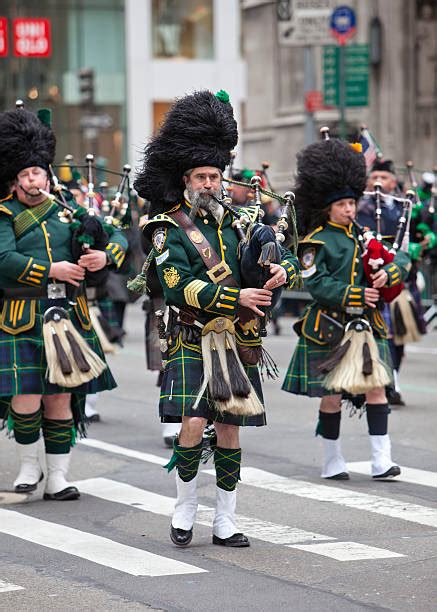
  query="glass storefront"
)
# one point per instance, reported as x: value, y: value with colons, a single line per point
x: 84, y: 34
x: 182, y: 29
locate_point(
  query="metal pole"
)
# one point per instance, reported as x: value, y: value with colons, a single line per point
x: 309, y: 84
x: 342, y: 89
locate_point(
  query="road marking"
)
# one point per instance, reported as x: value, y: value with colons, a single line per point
x: 412, y: 475
x: 91, y: 547
x: 121, y: 493
x: 347, y: 551
x: 121, y: 450
x: 342, y: 497
x: 292, y: 537
x: 7, y: 586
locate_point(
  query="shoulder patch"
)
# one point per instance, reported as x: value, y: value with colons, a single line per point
x: 159, y: 237
x: 307, y: 258
x: 5, y: 210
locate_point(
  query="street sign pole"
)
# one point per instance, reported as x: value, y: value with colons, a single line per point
x: 343, y: 27
x: 342, y: 89
x: 309, y: 81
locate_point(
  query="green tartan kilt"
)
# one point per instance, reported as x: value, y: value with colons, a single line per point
x: 107, y: 309
x: 181, y: 382
x: 23, y: 363
x: 302, y: 377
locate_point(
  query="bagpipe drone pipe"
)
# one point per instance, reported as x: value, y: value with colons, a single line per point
x: 260, y: 246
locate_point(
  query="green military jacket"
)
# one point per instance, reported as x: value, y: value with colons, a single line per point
x: 333, y: 273
x: 183, y: 274
x: 30, y: 240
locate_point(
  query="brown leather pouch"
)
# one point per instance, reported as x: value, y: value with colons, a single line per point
x: 249, y: 355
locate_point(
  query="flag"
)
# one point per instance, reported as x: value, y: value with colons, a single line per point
x: 369, y: 147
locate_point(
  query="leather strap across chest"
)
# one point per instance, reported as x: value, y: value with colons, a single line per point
x: 218, y: 270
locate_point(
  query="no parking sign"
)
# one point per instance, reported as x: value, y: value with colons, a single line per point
x: 343, y: 24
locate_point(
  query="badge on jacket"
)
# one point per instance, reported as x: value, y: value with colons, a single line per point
x: 158, y: 238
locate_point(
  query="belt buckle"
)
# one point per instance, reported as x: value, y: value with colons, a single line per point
x: 219, y: 272
x: 56, y: 291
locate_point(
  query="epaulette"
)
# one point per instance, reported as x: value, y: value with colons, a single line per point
x: 4, y: 209
x: 309, y: 238
x: 161, y: 219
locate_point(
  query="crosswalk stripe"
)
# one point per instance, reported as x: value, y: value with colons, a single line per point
x: 121, y: 493
x: 412, y: 475
x: 266, y: 531
x: 7, y: 586
x: 386, y: 506
x: 91, y: 547
x: 121, y: 450
x: 347, y: 551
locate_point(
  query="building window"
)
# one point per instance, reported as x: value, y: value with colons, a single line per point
x: 182, y: 29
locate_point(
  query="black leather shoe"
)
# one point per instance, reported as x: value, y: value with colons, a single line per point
x: 395, y: 470
x: 64, y: 495
x: 181, y: 537
x: 238, y: 540
x: 28, y: 488
x: 340, y: 476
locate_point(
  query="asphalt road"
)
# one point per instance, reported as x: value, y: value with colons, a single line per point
x: 316, y: 545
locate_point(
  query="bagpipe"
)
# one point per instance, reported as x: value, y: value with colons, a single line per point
x: 374, y: 253
x: 260, y: 246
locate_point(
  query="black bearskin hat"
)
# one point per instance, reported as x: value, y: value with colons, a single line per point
x: 25, y: 141
x: 383, y: 165
x: 327, y: 171
x: 199, y: 130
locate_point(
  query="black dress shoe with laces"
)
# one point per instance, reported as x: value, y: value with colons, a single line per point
x: 181, y: 537
x: 395, y: 470
x: 238, y: 540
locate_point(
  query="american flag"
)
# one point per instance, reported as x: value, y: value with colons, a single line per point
x: 369, y: 147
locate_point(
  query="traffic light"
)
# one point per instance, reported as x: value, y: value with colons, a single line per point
x: 86, y: 86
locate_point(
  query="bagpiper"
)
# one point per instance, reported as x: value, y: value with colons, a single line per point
x: 342, y: 347
x: 211, y: 372
x: 50, y: 356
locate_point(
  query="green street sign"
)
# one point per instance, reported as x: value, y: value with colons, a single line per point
x: 356, y: 75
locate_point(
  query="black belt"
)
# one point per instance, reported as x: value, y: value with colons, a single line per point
x: 18, y: 293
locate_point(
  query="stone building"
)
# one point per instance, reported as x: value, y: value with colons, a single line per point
x: 402, y: 109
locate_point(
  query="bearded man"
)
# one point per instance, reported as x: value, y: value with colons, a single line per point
x: 211, y: 373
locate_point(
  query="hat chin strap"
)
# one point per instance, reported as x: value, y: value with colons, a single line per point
x: 30, y: 195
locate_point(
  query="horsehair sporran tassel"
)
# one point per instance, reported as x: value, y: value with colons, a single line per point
x: 405, y: 319
x: 64, y: 347
x: 220, y: 334
x: 218, y: 385
x: 350, y: 373
x: 95, y: 315
x: 240, y: 384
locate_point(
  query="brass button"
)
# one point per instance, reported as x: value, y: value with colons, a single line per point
x: 222, y: 296
x: 335, y: 315
x: 224, y: 247
x: 355, y: 273
x: 357, y: 260
x: 218, y: 305
x: 206, y: 221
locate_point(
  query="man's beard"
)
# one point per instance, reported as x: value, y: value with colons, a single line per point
x: 201, y: 198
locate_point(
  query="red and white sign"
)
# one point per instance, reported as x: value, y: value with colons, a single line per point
x: 314, y: 101
x: 32, y: 37
x: 3, y: 37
